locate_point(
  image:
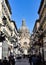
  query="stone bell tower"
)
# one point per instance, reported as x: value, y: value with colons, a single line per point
x: 23, y: 22
x: 24, y: 38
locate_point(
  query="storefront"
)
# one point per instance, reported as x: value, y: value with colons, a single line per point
x: 0, y: 50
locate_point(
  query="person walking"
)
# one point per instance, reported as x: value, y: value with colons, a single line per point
x: 11, y: 60
x: 5, y: 61
x: 1, y: 62
x: 34, y: 60
x: 30, y: 58
x: 39, y: 62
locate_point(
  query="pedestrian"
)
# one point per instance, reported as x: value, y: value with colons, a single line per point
x: 39, y: 59
x: 11, y: 60
x: 30, y: 58
x: 34, y: 60
x: 1, y: 62
x: 5, y: 61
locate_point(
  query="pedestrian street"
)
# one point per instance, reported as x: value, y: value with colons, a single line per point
x: 23, y: 61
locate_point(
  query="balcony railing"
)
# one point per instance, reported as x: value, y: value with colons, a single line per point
x: 6, y: 31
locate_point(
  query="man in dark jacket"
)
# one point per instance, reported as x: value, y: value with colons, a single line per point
x: 5, y: 61
x: 30, y: 58
x: 34, y: 59
x: 12, y: 60
x: 1, y: 62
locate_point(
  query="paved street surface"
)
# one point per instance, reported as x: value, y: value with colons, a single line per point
x: 22, y: 62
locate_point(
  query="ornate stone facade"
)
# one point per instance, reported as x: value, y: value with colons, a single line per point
x: 42, y: 27
x: 42, y: 17
x: 24, y: 38
x: 8, y: 28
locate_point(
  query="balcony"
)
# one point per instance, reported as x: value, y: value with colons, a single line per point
x: 7, y: 22
x: 2, y: 36
x: 9, y: 25
x: 6, y: 31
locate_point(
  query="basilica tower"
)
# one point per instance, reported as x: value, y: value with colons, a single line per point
x: 24, y: 37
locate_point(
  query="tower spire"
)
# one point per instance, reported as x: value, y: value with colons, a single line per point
x: 23, y: 22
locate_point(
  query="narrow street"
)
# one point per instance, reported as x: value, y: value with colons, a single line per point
x: 22, y: 61
x: 22, y: 32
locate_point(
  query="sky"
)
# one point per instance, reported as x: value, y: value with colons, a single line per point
x: 25, y: 9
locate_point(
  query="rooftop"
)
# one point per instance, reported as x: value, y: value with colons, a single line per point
x: 14, y: 24
x: 7, y: 3
x: 35, y: 24
x: 42, y: 1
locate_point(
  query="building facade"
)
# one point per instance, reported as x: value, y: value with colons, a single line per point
x: 4, y: 26
x: 41, y: 32
x: 42, y: 18
x: 24, y: 38
x: 15, y: 38
x: 8, y: 30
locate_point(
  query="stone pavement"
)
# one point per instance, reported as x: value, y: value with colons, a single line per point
x: 22, y: 61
